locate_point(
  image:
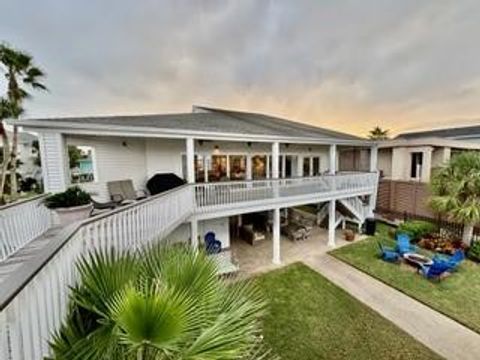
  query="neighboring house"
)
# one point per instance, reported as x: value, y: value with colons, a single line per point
x: 27, y: 155
x: 407, y: 161
x: 218, y: 150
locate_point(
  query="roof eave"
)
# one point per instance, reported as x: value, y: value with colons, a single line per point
x: 116, y: 130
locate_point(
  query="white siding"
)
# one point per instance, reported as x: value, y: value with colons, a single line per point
x: 54, y: 163
x: 164, y: 156
x: 115, y: 158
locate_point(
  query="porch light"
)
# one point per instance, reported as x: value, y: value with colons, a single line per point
x: 216, y: 150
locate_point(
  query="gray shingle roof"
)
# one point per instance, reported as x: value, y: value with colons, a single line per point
x: 214, y: 121
x: 449, y: 133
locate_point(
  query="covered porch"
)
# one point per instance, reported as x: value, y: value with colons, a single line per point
x: 258, y: 258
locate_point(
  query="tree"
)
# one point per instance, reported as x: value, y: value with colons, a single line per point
x: 456, y: 191
x: 20, y: 72
x: 163, y: 303
x: 377, y: 133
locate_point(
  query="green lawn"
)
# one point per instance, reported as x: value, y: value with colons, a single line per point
x: 311, y: 318
x: 457, y: 296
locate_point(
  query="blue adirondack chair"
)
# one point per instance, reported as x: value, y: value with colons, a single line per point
x: 212, y: 245
x: 435, y: 270
x: 388, y: 254
x: 403, y: 244
x: 452, y: 261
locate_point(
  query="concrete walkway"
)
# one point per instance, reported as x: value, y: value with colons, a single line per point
x: 440, y: 333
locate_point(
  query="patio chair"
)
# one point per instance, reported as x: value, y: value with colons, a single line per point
x: 212, y: 245
x: 452, y: 261
x: 434, y: 271
x: 403, y: 244
x: 122, y: 191
x: 388, y: 254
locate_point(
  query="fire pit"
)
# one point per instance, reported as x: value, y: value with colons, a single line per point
x: 417, y: 259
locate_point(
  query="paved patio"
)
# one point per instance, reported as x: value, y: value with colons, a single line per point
x: 258, y: 258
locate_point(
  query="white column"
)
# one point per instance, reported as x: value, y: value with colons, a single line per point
x: 249, y: 167
x: 300, y: 165
x: 55, y: 167
x: 267, y: 171
x: 284, y: 166
x: 194, y: 233
x: 374, y: 159
x: 190, y: 160
x: 447, y: 154
x: 310, y: 170
x: 333, y: 159
x: 276, y: 237
x: 275, y: 159
x: 228, y: 166
x: 331, y: 223
x: 427, y: 165
x: 205, y: 168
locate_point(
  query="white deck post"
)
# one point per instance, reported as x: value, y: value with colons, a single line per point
x: 310, y: 166
x: 331, y: 223
x: 275, y: 159
x: 249, y: 167
x: 276, y: 237
x: 373, y: 158
x: 284, y: 166
x: 373, y: 168
x: 194, y: 233
x: 332, y: 159
x: 300, y: 165
x: 190, y: 160
x: 267, y: 171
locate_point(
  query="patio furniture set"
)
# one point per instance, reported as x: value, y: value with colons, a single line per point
x: 431, y: 268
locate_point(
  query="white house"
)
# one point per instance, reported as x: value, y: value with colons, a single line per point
x: 213, y: 148
x: 238, y: 166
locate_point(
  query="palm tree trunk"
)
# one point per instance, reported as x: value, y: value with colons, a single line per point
x: 13, y: 165
x: 6, y: 158
x: 467, y: 234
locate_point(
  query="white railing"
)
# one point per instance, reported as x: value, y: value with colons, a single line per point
x: 357, y: 207
x: 213, y: 196
x: 34, y: 300
x: 21, y: 222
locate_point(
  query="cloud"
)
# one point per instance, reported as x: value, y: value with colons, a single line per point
x: 348, y: 65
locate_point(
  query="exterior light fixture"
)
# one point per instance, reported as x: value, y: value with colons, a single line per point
x: 216, y: 150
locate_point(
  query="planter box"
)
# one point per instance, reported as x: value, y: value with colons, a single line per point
x: 73, y: 214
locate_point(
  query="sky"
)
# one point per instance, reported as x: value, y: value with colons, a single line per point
x: 346, y: 65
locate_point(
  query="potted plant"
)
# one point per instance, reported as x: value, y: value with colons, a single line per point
x: 349, y: 235
x: 71, y: 205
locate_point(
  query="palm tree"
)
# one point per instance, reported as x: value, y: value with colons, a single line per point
x: 163, y: 303
x: 456, y: 191
x: 7, y: 110
x: 20, y: 72
x: 377, y: 133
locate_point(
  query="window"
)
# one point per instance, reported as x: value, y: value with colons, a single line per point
x: 259, y: 167
x: 306, y: 166
x: 238, y: 167
x: 416, y: 165
x: 316, y: 166
x: 218, y: 170
x: 81, y: 164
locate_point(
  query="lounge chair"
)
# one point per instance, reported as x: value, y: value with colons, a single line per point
x: 434, y: 271
x: 212, y: 245
x: 293, y: 232
x: 122, y: 191
x: 388, y: 254
x: 452, y: 261
x: 403, y: 244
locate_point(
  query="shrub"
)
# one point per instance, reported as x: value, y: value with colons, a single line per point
x: 416, y: 229
x: 74, y: 196
x: 474, y: 252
